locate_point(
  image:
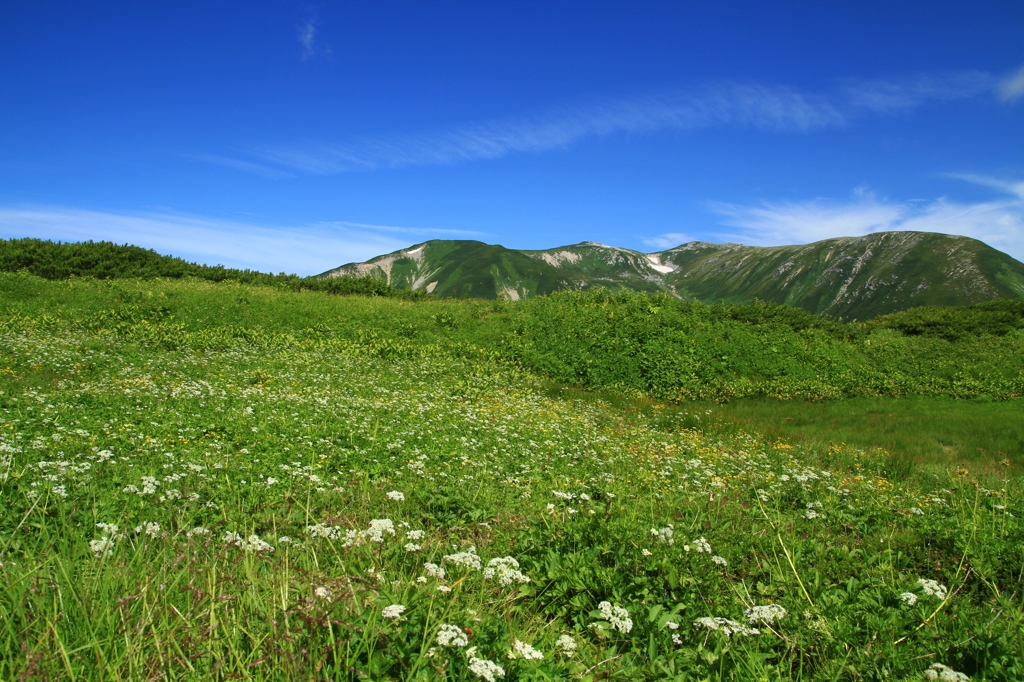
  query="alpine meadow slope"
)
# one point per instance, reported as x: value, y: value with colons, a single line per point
x: 850, y: 277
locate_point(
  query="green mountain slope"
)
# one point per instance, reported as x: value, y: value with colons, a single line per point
x: 850, y: 277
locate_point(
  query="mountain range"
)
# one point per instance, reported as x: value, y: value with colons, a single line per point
x: 848, y: 277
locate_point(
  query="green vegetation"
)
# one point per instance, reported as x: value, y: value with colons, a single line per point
x: 105, y: 260
x: 854, y: 278
x: 920, y: 434
x: 213, y: 480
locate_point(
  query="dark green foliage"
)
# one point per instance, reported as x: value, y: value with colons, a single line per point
x: 994, y: 318
x: 105, y: 260
x: 688, y: 350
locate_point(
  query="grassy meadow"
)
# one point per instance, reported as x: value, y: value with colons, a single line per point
x: 217, y: 480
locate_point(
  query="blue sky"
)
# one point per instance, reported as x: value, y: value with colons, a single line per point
x: 298, y: 136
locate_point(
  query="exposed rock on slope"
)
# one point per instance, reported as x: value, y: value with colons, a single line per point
x: 852, y: 277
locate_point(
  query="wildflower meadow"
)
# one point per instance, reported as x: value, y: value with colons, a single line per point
x: 182, y: 502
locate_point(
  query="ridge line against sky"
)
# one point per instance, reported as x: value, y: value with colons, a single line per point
x: 999, y: 222
x: 772, y: 108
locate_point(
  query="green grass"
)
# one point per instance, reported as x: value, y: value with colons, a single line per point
x: 244, y: 442
x: 928, y: 433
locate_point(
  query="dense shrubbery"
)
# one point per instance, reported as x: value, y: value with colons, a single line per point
x: 105, y: 260
x: 685, y: 350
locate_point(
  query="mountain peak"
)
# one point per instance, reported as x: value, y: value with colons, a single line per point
x: 851, y: 277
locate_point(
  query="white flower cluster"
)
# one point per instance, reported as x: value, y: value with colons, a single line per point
x: 253, y: 543
x: 616, y: 616
x: 393, y: 612
x: 664, y: 534
x: 812, y: 512
x: 701, y: 545
x: 150, y: 528
x: 908, y: 598
x: 451, y: 635
x: 378, y: 529
x: 505, y: 570
x: 434, y: 571
x: 318, y: 530
x: 198, y: 531
x: 719, y: 560
x: 396, y: 496
x: 766, y: 613
x: 467, y: 559
x: 725, y: 626
x: 525, y: 651
x: 566, y: 645
x: 322, y: 592
x: 415, y: 534
x: 932, y: 588
x: 937, y: 671
x: 484, y: 669
x: 105, y: 545
x: 102, y: 547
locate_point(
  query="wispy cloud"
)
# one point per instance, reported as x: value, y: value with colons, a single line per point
x: 307, y: 33
x: 305, y: 249
x: 998, y: 222
x: 778, y: 109
x: 667, y: 240
x: 307, y: 38
x: 248, y: 166
x: 1012, y: 87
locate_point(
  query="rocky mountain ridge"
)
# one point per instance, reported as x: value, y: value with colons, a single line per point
x: 847, y: 277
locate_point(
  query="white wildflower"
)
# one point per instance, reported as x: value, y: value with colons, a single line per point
x: 725, y: 626
x: 434, y: 571
x: 505, y: 570
x: 109, y: 529
x: 322, y: 592
x: 396, y: 496
x: 102, y: 547
x: 721, y: 561
x: 766, y: 613
x: 908, y: 598
x: 566, y: 645
x: 197, y: 531
x: 702, y: 546
x: 467, y: 559
x: 485, y: 669
x: 378, y: 529
x: 319, y: 530
x: 451, y: 635
x: 415, y: 534
x: 664, y: 534
x: 253, y: 543
x: 932, y: 588
x: 412, y: 547
x: 444, y: 589
x: 150, y: 528
x: 616, y: 616
x: 524, y: 651
x: 937, y: 671
x: 393, y: 612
